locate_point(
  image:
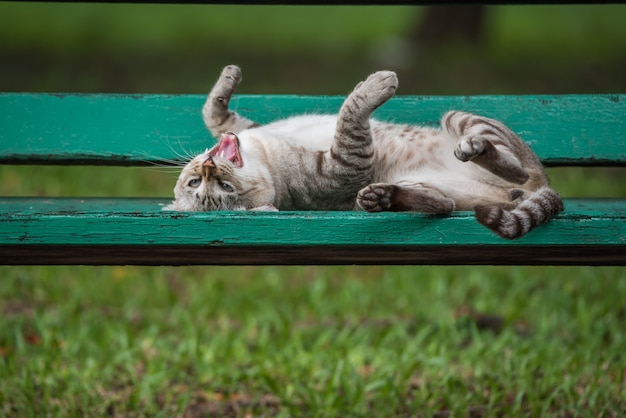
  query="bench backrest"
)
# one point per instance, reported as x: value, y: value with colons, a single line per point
x: 70, y: 129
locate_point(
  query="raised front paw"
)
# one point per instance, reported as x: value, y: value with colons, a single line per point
x: 469, y: 147
x: 376, y: 89
x: 375, y: 197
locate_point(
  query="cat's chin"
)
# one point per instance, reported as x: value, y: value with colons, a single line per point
x: 176, y: 207
x: 264, y: 208
x: 168, y: 207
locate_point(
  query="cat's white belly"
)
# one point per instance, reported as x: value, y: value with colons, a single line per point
x: 434, y: 165
x: 313, y: 132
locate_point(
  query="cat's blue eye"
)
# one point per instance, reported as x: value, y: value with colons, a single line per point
x: 194, y: 182
x: 227, y: 187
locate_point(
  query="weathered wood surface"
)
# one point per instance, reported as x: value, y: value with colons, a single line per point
x: 136, y: 130
x: 136, y: 231
x: 147, y: 129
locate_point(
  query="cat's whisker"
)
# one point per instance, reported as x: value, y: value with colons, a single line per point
x: 186, y: 155
x: 155, y: 160
x: 163, y: 169
x: 179, y: 156
x: 164, y: 162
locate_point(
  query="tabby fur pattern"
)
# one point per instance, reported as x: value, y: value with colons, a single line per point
x: 350, y: 161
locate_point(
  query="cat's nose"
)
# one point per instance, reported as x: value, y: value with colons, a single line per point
x: 209, y: 162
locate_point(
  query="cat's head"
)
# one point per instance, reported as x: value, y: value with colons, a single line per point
x: 220, y: 179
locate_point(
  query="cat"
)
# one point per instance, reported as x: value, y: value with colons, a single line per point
x: 350, y: 161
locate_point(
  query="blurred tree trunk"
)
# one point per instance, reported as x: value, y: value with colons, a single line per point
x: 441, y: 24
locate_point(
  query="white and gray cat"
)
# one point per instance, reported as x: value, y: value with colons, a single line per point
x: 350, y: 161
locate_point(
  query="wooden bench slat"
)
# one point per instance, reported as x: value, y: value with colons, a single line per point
x: 38, y: 229
x: 146, y: 129
x: 176, y: 255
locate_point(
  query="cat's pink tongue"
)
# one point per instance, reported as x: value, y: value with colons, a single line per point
x: 228, y: 148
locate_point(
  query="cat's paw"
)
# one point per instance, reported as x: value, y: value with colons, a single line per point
x: 375, y: 197
x: 231, y: 75
x: 469, y: 147
x: 376, y: 89
x: 225, y: 86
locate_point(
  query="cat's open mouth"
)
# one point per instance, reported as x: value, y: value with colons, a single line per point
x: 228, y: 148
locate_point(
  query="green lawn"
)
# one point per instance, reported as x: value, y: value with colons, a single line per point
x: 312, y: 341
x: 305, y: 341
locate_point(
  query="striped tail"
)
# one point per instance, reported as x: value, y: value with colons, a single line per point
x: 539, y: 207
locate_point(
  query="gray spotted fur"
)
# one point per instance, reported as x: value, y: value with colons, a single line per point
x: 350, y: 161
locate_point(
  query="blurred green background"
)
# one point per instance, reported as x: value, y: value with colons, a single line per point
x: 312, y: 50
x: 312, y: 341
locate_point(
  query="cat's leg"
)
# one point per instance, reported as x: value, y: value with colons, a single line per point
x: 379, y: 197
x: 496, y: 148
x: 215, y: 112
x: 352, y: 152
x: 491, y: 145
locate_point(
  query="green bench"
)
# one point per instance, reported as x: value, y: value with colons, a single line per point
x: 129, y: 130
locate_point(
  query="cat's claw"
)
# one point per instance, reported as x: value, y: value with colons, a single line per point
x: 469, y: 148
x: 375, y: 197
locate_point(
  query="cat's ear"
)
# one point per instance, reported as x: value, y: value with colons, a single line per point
x: 265, y: 208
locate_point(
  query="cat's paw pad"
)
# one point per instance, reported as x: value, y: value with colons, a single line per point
x: 469, y: 148
x: 377, y: 88
x: 516, y: 195
x: 375, y: 197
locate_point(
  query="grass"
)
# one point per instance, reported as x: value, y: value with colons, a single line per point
x: 312, y: 341
x: 305, y: 341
